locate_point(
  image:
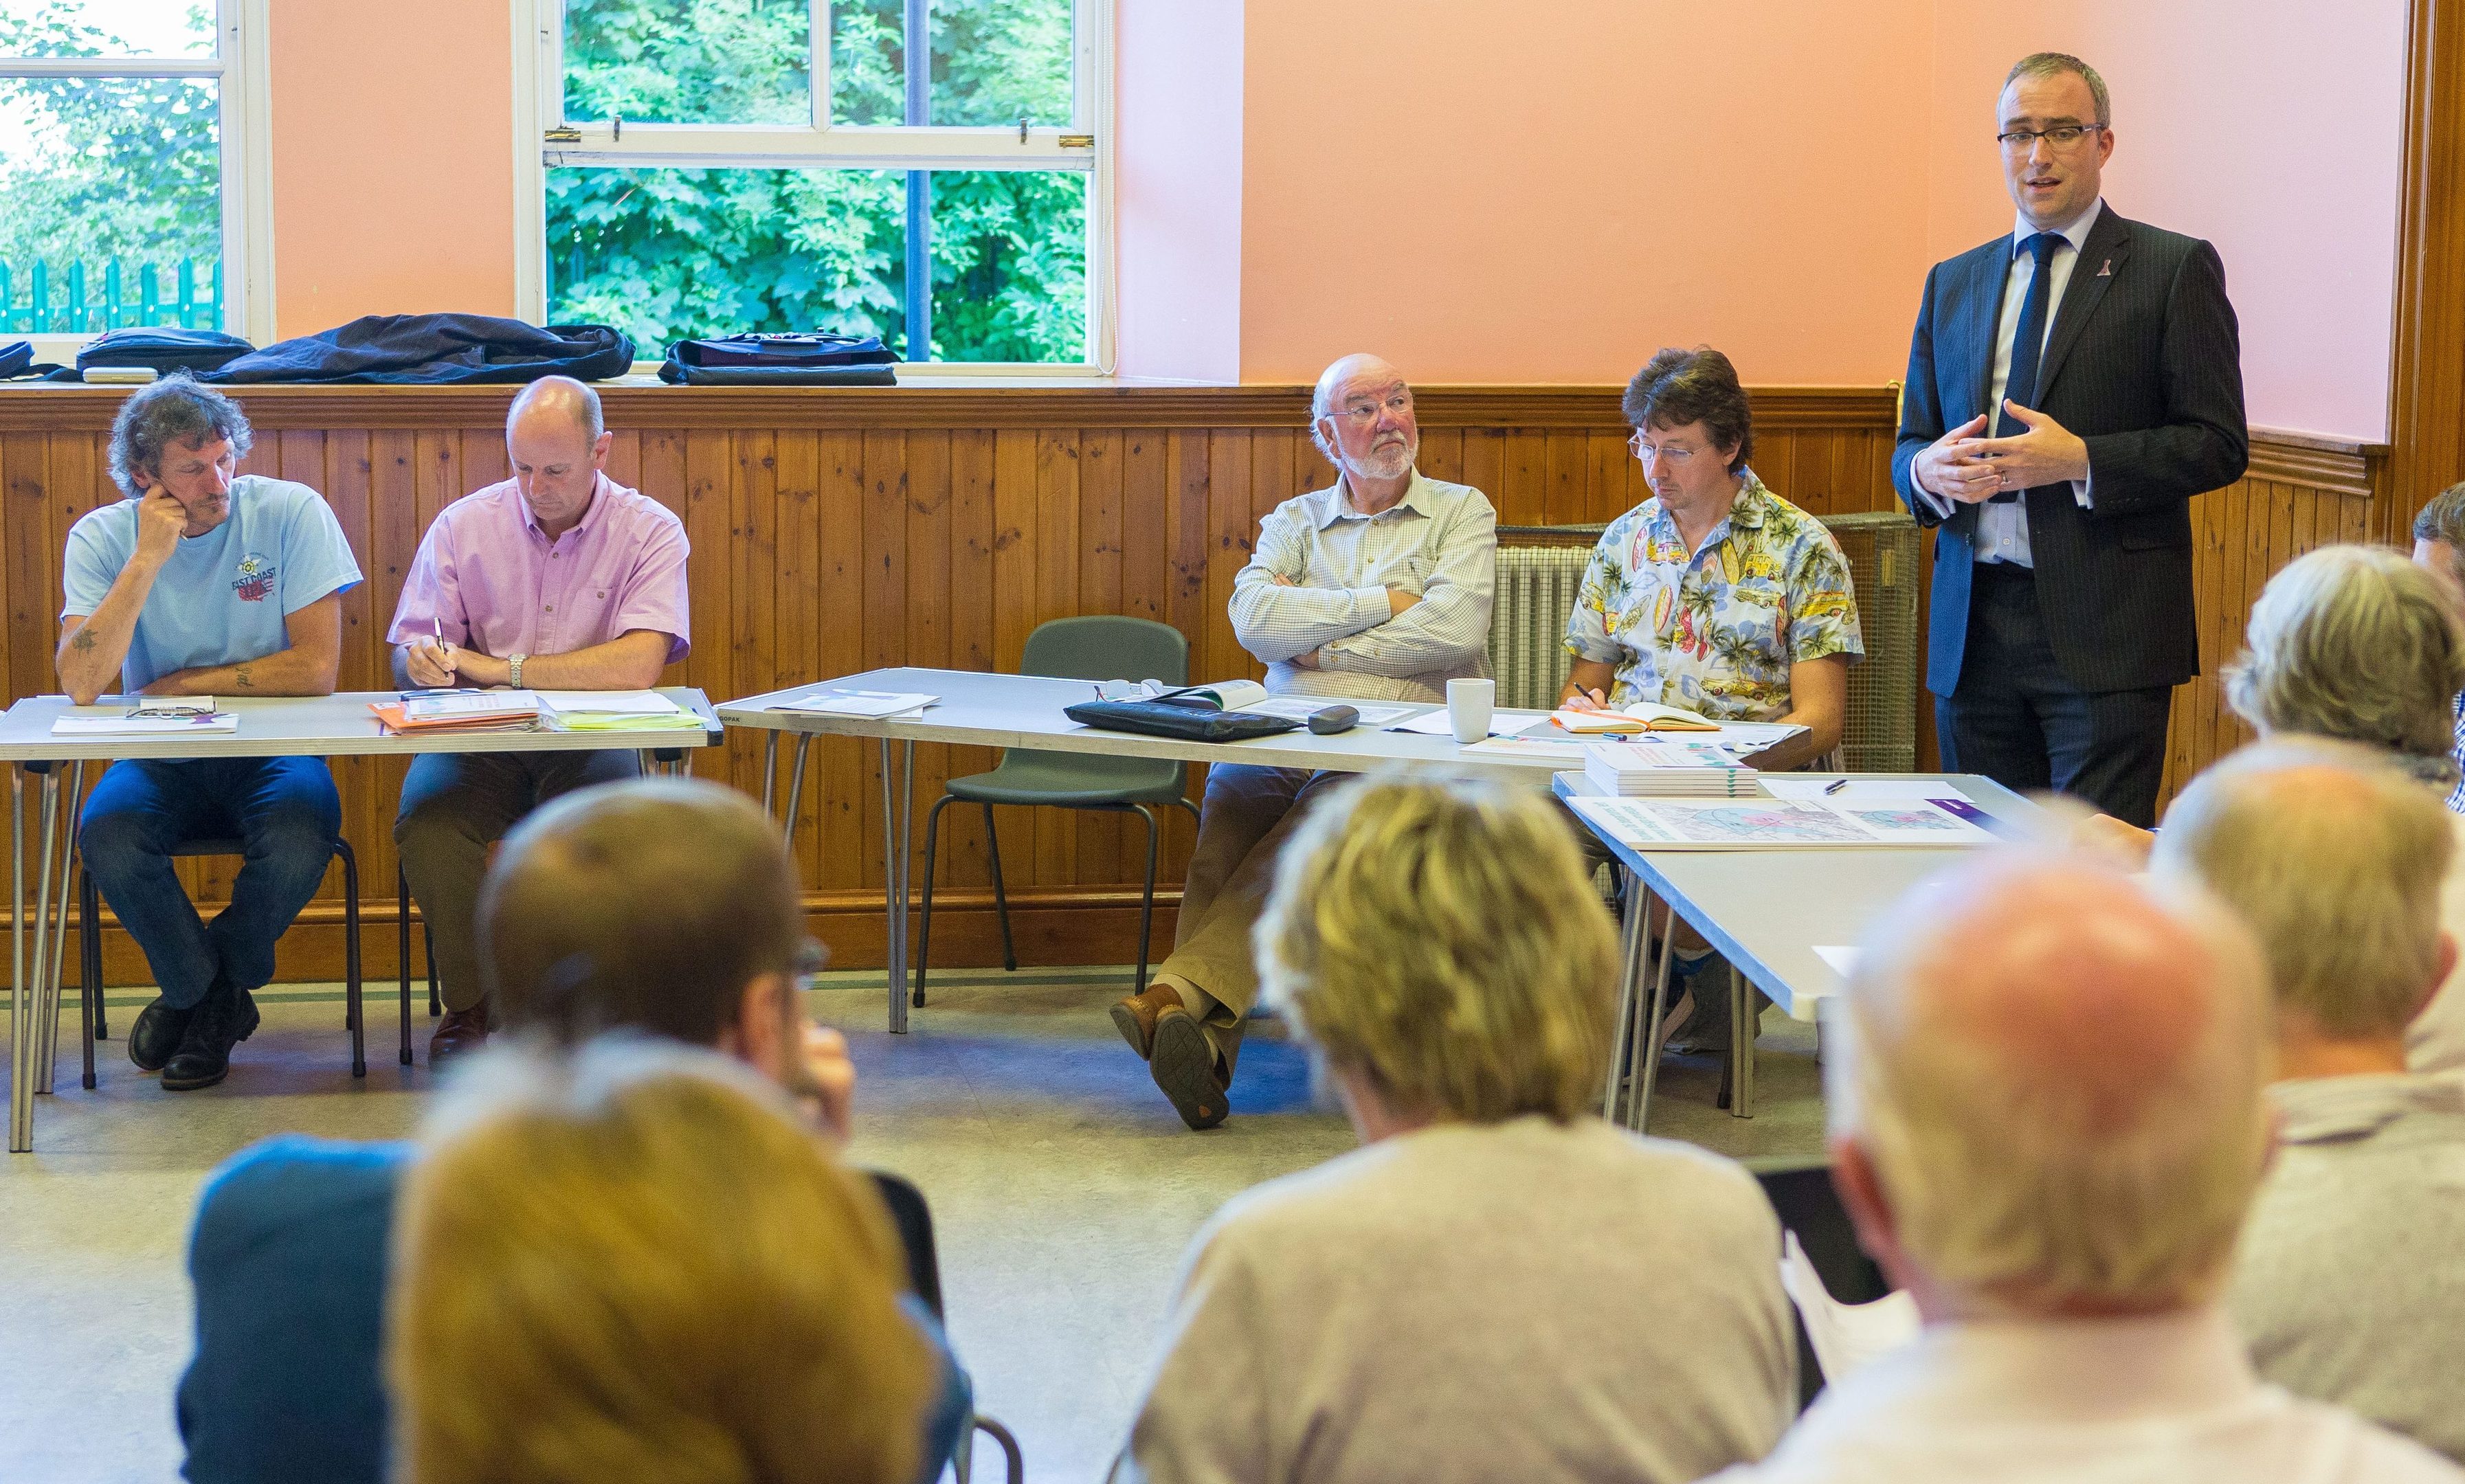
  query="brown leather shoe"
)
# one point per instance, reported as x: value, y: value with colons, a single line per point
x: 459, y: 1035
x: 1187, y: 1071
x: 1135, y: 1016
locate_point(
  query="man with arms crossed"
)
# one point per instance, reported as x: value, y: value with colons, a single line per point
x: 2070, y: 387
x: 556, y: 579
x: 1376, y: 586
x: 2061, y: 1202
x: 203, y: 582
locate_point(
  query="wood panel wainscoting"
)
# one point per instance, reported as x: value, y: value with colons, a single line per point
x: 837, y: 530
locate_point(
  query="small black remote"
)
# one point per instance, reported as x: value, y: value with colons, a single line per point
x: 1332, y: 719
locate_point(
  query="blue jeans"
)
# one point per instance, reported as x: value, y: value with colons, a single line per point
x: 283, y: 810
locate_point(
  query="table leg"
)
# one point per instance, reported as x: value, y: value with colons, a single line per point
x: 47, y: 1011
x: 1651, y: 1028
x: 769, y: 771
x: 1743, y: 1026
x: 42, y: 975
x: 796, y: 783
x: 21, y: 1086
x: 897, y: 798
x: 1629, y: 988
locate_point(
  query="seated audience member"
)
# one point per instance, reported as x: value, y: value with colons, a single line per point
x: 203, y: 582
x: 1500, y: 1285
x: 1376, y: 586
x: 2060, y: 1201
x: 665, y: 906
x: 1713, y: 596
x: 2356, y: 644
x: 2439, y: 545
x: 2347, y: 1282
x: 556, y: 579
x: 633, y: 1262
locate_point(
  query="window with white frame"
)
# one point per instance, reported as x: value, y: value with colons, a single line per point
x: 931, y: 171
x: 130, y: 136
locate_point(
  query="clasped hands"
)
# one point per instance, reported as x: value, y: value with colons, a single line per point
x: 1964, y: 467
x: 1398, y: 599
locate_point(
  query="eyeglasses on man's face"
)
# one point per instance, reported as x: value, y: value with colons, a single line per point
x: 1361, y: 414
x: 2062, y: 136
x: 1677, y: 456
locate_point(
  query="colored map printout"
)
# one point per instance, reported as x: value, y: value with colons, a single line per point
x: 1786, y: 823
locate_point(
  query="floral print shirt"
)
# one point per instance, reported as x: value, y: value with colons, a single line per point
x: 1713, y: 631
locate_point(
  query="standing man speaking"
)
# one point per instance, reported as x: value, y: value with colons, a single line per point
x: 2070, y: 387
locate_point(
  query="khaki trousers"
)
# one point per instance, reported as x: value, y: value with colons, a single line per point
x: 1247, y: 816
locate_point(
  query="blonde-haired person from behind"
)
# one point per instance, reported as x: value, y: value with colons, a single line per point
x: 637, y: 1263
x: 1500, y: 1285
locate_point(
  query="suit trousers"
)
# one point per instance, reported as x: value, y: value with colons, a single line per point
x: 2016, y: 719
x: 1247, y: 816
x: 454, y: 806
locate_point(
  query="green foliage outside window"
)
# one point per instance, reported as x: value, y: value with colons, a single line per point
x: 665, y: 253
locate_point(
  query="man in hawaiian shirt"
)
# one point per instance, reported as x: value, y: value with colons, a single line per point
x: 1715, y: 596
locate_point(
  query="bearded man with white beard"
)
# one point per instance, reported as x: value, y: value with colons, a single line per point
x: 1377, y: 586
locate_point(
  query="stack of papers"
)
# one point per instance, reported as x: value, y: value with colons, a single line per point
x: 876, y: 704
x: 1945, y: 822
x: 616, y: 711
x: 461, y: 710
x: 1666, y: 768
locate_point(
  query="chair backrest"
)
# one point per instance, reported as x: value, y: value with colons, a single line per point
x: 915, y: 1223
x: 1540, y: 569
x: 1802, y: 1196
x: 1107, y: 646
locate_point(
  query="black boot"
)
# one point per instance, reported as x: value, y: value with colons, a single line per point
x: 155, y: 1038
x: 222, y: 1020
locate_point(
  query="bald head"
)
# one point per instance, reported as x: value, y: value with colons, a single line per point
x: 649, y: 905
x: 557, y: 447
x: 557, y: 403
x: 2335, y: 859
x: 2054, y: 1072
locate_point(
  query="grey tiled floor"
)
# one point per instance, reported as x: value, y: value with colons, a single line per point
x: 1063, y: 1187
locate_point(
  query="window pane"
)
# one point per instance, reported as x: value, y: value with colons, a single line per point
x: 996, y: 60
x: 666, y: 253
x: 105, y: 28
x: 1010, y: 265
x: 110, y: 204
x: 689, y: 61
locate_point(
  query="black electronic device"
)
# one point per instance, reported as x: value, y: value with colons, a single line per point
x: 1329, y: 720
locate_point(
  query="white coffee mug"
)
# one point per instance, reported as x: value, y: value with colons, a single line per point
x: 1470, y: 705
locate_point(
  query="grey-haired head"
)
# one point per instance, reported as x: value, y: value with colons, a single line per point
x: 175, y: 411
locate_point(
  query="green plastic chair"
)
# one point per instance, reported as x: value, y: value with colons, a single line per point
x: 1100, y: 647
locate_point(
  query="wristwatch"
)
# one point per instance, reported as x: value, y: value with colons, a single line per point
x: 514, y: 677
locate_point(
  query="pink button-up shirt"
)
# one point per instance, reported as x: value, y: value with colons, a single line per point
x: 488, y: 573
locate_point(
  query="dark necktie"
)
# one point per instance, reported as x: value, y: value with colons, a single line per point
x: 2028, y: 343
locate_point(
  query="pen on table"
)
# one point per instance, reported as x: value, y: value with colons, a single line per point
x: 1836, y: 786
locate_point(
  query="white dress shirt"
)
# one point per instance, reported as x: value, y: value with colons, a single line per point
x: 2168, y: 1399
x: 2003, y: 530
x: 1439, y: 543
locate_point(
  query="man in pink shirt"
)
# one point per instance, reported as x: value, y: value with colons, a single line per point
x: 556, y: 579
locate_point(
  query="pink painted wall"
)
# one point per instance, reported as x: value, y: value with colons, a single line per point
x: 1178, y: 189
x: 2274, y: 128
x: 393, y: 174
x: 1498, y: 193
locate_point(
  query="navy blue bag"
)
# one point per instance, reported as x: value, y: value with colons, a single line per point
x: 164, y: 348
x: 439, y: 350
x: 798, y: 358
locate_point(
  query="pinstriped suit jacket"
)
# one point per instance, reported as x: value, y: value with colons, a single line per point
x: 2144, y: 364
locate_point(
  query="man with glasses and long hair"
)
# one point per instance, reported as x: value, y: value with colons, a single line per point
x: 2070, y: 387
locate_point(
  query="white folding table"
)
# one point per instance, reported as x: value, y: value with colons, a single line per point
x: 324, y: 726
x: 1765, y: 911
x: 983, y: 710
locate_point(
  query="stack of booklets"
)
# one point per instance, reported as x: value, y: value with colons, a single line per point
x: 1666, y: 768
x: 461, y: 710
x: 616, y: 711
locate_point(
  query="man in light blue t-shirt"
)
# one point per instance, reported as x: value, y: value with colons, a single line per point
x: 204, y: 582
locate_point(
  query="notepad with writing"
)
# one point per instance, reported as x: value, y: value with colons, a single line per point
x: 459, y: 711
x: 1642, y: 716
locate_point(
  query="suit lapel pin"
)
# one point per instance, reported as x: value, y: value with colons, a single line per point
x: 2106, y: 272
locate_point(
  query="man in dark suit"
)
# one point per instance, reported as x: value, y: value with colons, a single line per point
x: 2070, y: 387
